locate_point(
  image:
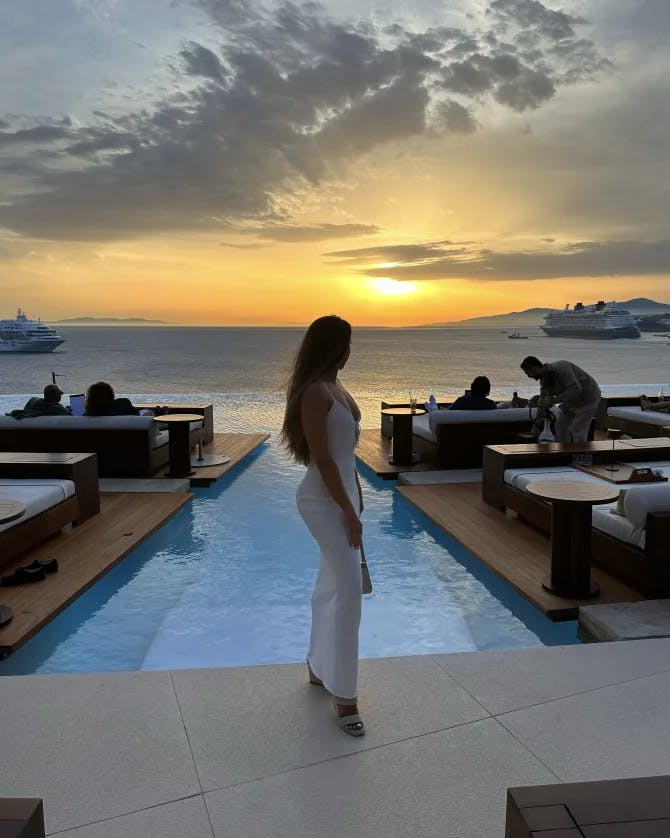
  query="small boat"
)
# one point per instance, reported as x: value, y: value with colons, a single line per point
x: 517, y: 336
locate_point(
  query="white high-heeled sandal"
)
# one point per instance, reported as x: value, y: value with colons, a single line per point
x: 352, y: 724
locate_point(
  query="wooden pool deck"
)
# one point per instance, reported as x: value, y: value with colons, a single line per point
x: 85, y: 553
x: 373, y: 450
x: 234, y: 446
x: 515, y: 551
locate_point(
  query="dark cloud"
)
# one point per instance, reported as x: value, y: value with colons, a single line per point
x: 38, y: 134
x: 200, y: 61
x: 582, y: 259
x: 529, y: 90
x: 452, y: 116
x: 407, y: 253
x: 535, y: 17
x: 310, y: 233
x: 288, y: 99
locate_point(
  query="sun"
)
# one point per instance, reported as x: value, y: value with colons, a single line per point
x: 392, y: 287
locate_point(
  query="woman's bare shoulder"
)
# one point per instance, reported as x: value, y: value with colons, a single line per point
x: 317, y: 394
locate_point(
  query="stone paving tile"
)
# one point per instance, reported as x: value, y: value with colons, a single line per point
x: 508, y: 680
x: 181, y: 819
x: 251, y: 722
x: 449, y: 784
x: 612, y: 732
x: 93, y: 746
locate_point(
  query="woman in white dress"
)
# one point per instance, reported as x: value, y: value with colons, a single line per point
x: 320, y: 430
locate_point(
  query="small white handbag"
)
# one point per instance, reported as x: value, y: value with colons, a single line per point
x: 367, y: 582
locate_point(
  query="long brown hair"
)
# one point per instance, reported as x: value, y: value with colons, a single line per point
x: 99, y: 399
x: 323, y: 347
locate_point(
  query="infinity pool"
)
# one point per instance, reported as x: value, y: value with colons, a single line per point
x: 227, y: 582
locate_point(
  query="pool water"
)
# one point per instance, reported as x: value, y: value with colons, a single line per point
x: 228, y: 580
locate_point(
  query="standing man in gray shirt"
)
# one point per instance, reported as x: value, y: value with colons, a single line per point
x: 574, y: 391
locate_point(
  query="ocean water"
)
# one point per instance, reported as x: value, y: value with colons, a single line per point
x: 239, y: 593
x: 245, y: 369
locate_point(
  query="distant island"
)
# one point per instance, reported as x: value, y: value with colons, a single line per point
x: 533, y: 316
x: 111, y: 321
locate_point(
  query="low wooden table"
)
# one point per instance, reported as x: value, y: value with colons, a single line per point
x: 21, y: 817
x: 81, y: 469
x: 179, y: 440
x: 403, y: 454
x: 632, y: 808
x: 571, y: 503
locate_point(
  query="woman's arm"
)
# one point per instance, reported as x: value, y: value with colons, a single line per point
x: 314, y: 409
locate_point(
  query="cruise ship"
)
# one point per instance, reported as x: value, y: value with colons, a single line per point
x: 602, y: 320
x: 23, y: 335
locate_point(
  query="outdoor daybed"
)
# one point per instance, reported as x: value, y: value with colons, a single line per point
x: 637, y: 422
x: 65, y: 492
x: 633, y: 546
x: 126, y: 446
x: 456, y: 438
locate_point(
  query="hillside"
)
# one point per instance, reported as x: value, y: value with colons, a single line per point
x: 109, y: 321
x: 533, y: 316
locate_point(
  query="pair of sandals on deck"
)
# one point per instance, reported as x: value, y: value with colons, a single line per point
x: 34, y: 572
x: 352, y: 723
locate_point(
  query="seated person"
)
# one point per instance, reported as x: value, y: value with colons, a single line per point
x: 658, y: 407
x: 477, y: 397
x: 100, y: 401
x: 48, y: 405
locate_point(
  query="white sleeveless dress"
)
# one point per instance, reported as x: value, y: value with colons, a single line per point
x: 336, y: 602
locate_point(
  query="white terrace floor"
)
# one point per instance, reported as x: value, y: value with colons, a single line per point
x: 254, y: 752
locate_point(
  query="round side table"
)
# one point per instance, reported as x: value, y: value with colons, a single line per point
x: 571, y: 503
x: 403, y: 454
x: 10, y: 510
x: 179, y: 441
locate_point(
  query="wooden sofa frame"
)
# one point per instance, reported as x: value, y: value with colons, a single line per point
x: 640, y: 430
x: 647, y: 570
x: 461, y: 445
x: 121, y: 452
x: 81, y: 469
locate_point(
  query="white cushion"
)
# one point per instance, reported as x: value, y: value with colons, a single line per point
x: 654, y: 497
x: 617, y: 525
x: 651, y: 417
x: 160, y: 438
x: 469, y: 417
x: 161, y: 433
x: 519, y: 478
x: 37, y: 493
x: 421, y: 427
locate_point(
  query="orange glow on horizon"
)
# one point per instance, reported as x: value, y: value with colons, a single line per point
x: 194, y: 280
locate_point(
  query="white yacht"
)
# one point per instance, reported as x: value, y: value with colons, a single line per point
x: 23, y: 335
x: 602, y: 320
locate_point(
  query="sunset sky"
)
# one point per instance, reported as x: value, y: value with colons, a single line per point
x: 232, y: 162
